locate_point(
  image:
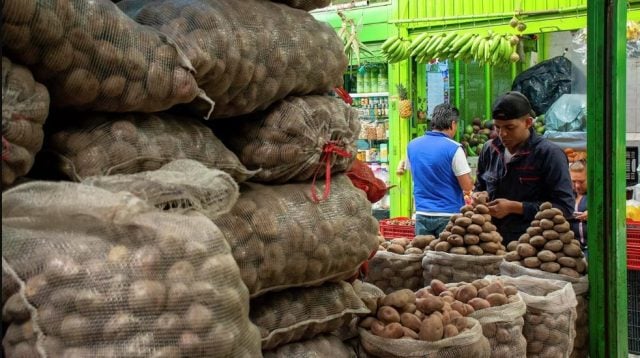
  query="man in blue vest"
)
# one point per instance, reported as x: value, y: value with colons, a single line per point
x: 440, y: 172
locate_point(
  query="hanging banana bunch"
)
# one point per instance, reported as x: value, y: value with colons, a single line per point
x: 395, y: 49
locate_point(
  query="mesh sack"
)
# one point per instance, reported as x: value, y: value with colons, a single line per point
x: 449, y: 268
x: 393, y: 272
x: 581, y: 289
x: 108, y: 144
x: 247, y: 54
x: 179, y: 186
x: 280, y: 238
x: 304, y: 312
x: 363, y: 178
x: 306, y: 5
x: 322, y: 346
x: 550, y: 320
x: 296, y: 139
x: 25, y: 106
x: 106, y: 274
x: 91, y: 56
x: 469, y: 343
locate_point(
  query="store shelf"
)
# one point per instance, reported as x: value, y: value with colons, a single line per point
x: 377, y: 161
x: 374, y: 140
x: 372, y: 94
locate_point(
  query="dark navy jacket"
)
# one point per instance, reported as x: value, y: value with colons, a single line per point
x: 539, y: 172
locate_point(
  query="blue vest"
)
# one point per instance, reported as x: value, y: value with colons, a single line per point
x: 435, y: 187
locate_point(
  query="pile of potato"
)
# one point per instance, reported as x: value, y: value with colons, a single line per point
x: 248, y: 54
x: 281, y: 238
x: 25, y: 106
x: 499, y: 309
x: 288, y: 142
x: 324, y: 345
x: 92, y: 144
x: 92, y: 56
x: 398, y: 263
x: 549, y: 245
x: 304, y: 312
x: 423, y: 321
x: 125, y: 279
x: 306, y: 5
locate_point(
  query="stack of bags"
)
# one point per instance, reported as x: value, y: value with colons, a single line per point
x: 137, y: 257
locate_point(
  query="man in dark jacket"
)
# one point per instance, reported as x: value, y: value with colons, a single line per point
x: 521, y: 170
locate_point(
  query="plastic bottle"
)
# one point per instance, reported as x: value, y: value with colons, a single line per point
x: 383, y: 79
x: 360, y: 80
x: 367, y: 81
x: 384, y: 152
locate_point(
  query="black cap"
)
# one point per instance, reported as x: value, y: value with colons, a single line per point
x: 511, y: 105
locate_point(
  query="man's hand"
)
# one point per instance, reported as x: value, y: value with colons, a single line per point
x: 500, y: 208
x: 581, y: 216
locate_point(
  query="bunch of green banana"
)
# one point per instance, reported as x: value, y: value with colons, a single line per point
x: 495, y: 49
x: 395, y: 49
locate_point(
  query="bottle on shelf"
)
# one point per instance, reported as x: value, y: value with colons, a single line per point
x: 383, y: 79
x: 360, y: 80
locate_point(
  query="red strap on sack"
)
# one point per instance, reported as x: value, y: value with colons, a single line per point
x: 5, y: 149
x: 344, y: 95
x: 330, y: 148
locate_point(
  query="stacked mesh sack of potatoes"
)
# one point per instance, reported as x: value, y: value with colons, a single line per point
x: 550, y: 320
x: 247, y: 54
x: 469, y: 248
x: 549, y: 250
x: 91, y: 272
x: 398, y: 263
x: 411, y: 324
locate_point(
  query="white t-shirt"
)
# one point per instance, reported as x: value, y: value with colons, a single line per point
x: 507, y: 155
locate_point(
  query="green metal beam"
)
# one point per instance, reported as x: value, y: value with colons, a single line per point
x: 487, y: 91
x: 606, y: 64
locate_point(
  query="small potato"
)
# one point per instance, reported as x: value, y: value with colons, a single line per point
x: 403, y: 241
x: 490, y: 247
x: 525, y: 250
x: 482, y: 209
x: 409, y: 333
x: 147, y: 296
x: 581, y: 266
x: 541, y: 332
x: 443, y: 246
x: 569, y: 272
x: 478, y: 219
x: 546, y: 224
x: 537, y: 241
x: 471, y: 239
x: 475, y: 250
x: 367, y: 322
x: 533, y: 231
x: 120, y: 326
x: 450, y: 330
x: 532, y: 262
x: 474, y: 229
x: 512, y: 256
x: 562, y: 228
x: 495, y: 287
x: 387, y: 314
x: 567, y: 237
x: 546, y: 256
x: 393, y: 330
x: 75, y: 329
x: 458, y: 230
x: 411, y: 321
x: 459, y: 307
x: 481, y: 283
x: 572, y: 250
x: 455, y: 240
x: 458, y: 250
x: 489, y: 330
x: 550, y: 235
x: 399, y: 299
x: 437, y: 287
x: 510, y: 290
x: 396, y: 249
x: 524, y: 239
x: 511, y: 246
x: 431, y: 329
x: 554, y: 245
x: 569, y: 262
x: 479, y: 303
x: 429, y: 304
x: 466, y: 208
x: 488, y: 227
x: 466, y: 293
x: 463, y: 221
x: 497, y: 299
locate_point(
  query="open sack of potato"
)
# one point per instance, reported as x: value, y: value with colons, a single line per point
x: 398, y: 263
x: 179, y: 186
x: 550, y: 320
x: 369, y: 294
x: 91, y: 56
x: 25, y: 106
x: 304, y: 312
x: 296, y: 139
x: 498, y: 307
x: 281, y: 238
x: 421, y: 324
x: 247, y: 54
x: 322, y: 346
x: 106, y: 274
x: 549, y: 250
x: 94, y: 144
x: 306, y: 5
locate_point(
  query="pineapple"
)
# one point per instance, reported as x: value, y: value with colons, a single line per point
x: 404, y: 106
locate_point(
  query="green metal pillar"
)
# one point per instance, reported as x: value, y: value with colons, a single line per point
x: 487, y: 91
x: 606, y: 65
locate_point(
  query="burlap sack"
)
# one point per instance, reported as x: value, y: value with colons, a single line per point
x: 25, y: 106
x: 449, y: 268
x: 550, y: 321
x: 280, y: 238
x: 369, y: 294
x: 105, y: 274
x: 322, y: 346
x: 247, y: 54
x: 306, y: 5
x: 91, y: 56
x: 302, y: 313
x: 581, y: 289
x: 296, y: 139
x: 99, y: 144
x: 470, y: 343
x: 393, y: 272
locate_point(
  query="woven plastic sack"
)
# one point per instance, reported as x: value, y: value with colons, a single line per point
x: 297, y: 139
x: 25, y: 106
x: 91, y: 56
x: 470, y: 343
x: 322, y: 346
x: 581, y: 289
x: 304, y: 312
x: 106, y: 144
x: 106, y: 274
x: 247, y: 54
x: 280, y: 238
x: 392, y: 272
x: 179, y: 186
x: 550, y: 321
x: 306, y: 5
x: 450, y: 268
x: 363, y: 178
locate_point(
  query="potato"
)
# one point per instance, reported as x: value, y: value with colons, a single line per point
x: 443, y: 246
x: 550, y: 234
x: 438, y: 287
x: 569, y: 272
x: 422, y: 241
x: 533, y: 231
x: 474, y: 229
x: 569, y: 262
x: 15, y: 309
x: 481, y: 209
x: 494, y: 287
x: 367, y: 322
x: 413, y: 251
x: 475, y: 250
x: 490, y: 247
x: 468, y: 214
x: 496, y: 299
x: 510, y: 290
x: 581, y: 266
x: 76, y: 329
x: 388, y: 314
x: 429, y: 304
x: 458, y: 250
x: 537, y: 241
x: 553, y: 245
x: 512, y: 256
x: 396, y: 249
x: 466, y: 293
x: 532, y: 262
x: 431, y: 329
x: 463, y: 222
x: 525, y: 250
x: 393, y: 330
x: 562, y: 228
x: 410, y: 321
x: 401, y: 241
x: 458, y: 230
x: 572, y: 250
x: 567, y: 237
x: 450, y: 330
x: 147, y: 296
x: 399, y: 299
x: 478, y: 303
x: 524, y: 239
x: 546, y: 256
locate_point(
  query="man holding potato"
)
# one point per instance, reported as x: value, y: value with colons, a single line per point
x: 520, y: 169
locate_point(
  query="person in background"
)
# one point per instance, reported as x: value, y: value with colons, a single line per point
x: 520, y: 170
x: 578, y: 172
x: 440, y: 172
